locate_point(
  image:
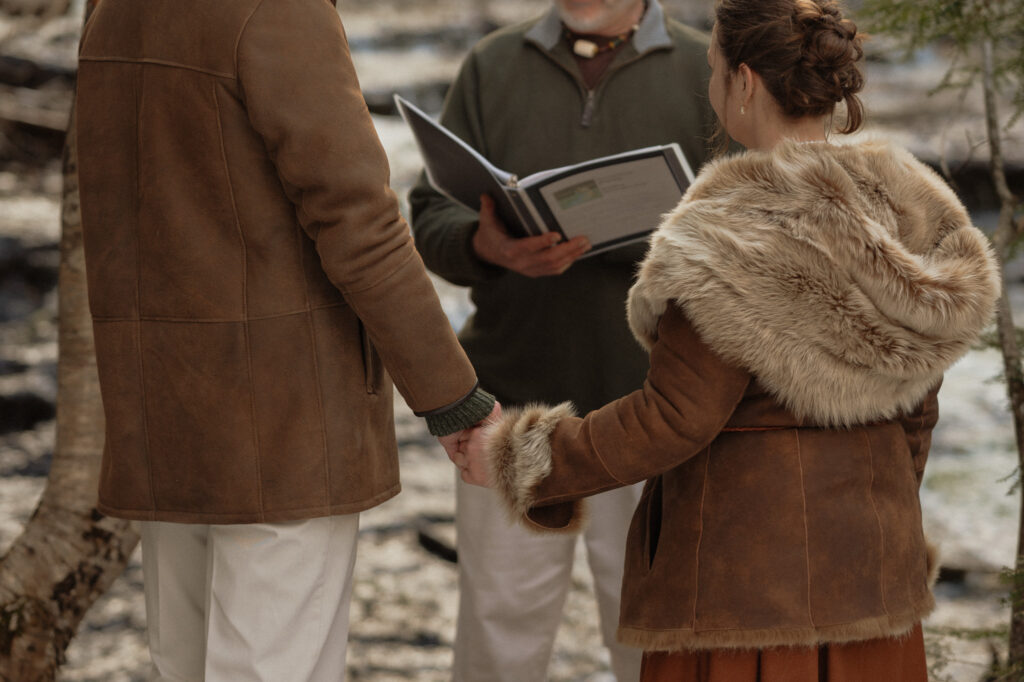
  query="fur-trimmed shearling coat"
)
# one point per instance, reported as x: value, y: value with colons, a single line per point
x: 800, y: 307
x: 254, y: 290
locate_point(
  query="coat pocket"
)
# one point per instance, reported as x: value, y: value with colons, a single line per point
x: 652, y: 512
x: 373, y: 370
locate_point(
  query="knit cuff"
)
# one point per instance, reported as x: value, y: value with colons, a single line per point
x: 468, y: 412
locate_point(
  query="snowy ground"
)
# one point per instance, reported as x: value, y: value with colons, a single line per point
x: 405, y: 598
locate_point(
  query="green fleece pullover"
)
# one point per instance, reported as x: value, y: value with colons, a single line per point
x: 520, y: 100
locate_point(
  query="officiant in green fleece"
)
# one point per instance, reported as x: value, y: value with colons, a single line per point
x: 589, y: 78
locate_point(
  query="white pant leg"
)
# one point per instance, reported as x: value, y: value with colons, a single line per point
x: 278, y: 600
x: 605, y: 542
x: 279, y: 603
x: 512, y: 588
x: 174, y: 569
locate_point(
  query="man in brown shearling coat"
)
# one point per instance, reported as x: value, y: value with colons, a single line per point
x: 250, y: 279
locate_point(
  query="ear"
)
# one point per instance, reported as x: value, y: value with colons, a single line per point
x: 748, y: 82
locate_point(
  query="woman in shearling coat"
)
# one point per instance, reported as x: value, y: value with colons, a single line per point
x: 800, y: 307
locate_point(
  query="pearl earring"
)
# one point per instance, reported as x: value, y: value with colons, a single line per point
x: 743, y: 110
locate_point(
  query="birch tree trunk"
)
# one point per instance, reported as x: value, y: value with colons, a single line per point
x: 68, y: 553
x: 1006, y: 234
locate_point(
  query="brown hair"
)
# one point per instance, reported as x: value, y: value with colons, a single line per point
x: 804, y: 50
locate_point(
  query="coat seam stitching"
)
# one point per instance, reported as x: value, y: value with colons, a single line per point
x: 217, y: 320
x: 807, y: 539
x: 700, y: 536
x: 159, y: 62
x: 320, y: 407
x: 311, y: 327
x: 600, y: 458
x: 306, y: 512
x: 138, y: 291
x: 241, y: 32
x: 913, y: 459
x: 412, y: 254
x: 878, y: 519
x: 245, y: 304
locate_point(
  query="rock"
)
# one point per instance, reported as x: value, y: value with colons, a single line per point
x: 22, y: 411
x: 26, y: 73
x: 27, y: 275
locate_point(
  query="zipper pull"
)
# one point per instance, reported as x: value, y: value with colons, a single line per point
x: 588, y: 110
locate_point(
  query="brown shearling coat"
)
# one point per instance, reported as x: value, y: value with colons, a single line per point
x: 799, y: 308
x: 246, y: 263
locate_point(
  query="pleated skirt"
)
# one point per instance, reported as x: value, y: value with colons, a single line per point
x: 876, y: 660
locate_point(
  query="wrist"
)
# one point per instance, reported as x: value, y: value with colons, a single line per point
x: 465, y: 413
x: 479, y: 246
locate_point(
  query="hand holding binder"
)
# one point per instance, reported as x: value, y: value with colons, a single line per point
x: 611, y: 200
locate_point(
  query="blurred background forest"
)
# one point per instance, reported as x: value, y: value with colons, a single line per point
x: 405, y: 596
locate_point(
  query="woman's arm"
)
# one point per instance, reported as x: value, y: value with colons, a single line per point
x: 544, y: 459
x: 918, y: 426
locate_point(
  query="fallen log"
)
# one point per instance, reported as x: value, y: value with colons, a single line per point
x: 43, y: 108
x: 29, y: 73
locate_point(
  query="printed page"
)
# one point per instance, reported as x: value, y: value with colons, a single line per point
x: 614, y: 202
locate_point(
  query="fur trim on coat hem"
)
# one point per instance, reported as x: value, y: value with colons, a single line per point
x: 862, y: 630
x: 518, y: 447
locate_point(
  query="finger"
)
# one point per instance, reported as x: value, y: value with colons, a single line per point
x: 570, y: 250
x: 555, y: 263
x: 537, y: 244
x: 551, y: 260
x: 577, y: 246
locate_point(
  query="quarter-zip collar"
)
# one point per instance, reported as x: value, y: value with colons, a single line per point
x: 650, y: 34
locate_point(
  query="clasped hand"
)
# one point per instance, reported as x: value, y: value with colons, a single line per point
x: 466, y: 450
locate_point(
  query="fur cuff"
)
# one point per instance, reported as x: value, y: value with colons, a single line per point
x: 519, y: 451
x: 934, y: 563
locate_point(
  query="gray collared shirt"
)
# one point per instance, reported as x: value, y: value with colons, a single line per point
x: 650, y: 34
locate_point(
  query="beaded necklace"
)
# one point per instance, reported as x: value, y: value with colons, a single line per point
x: 588, y: 48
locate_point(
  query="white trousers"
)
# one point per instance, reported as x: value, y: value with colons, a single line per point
x: 513, y: 584
x: 249, y: 602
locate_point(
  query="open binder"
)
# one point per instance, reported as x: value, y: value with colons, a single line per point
x: 611, y: 200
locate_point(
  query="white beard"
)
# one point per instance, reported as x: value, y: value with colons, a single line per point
x: 609, y: 13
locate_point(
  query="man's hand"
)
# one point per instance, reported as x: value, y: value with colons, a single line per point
x: 472, y: 470
x: 452, y: 442
x: 530, y: 256
x: 477, y: 470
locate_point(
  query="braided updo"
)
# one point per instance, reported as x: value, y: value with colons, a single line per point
x: 804, y: 50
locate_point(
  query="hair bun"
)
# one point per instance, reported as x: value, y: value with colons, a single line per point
x: 831, y: 47
x: 806, y: 52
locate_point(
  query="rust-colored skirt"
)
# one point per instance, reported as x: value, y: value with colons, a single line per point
x: 875, y: 660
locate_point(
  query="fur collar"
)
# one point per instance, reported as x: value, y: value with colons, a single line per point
x: 846, y: 278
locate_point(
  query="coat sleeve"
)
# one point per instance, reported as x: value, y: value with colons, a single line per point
x: 444, y: 229
x: 544, y: 460
x: 303, y: 98
x: 918, y: 425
